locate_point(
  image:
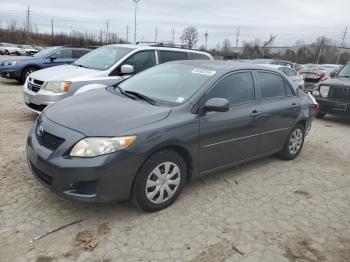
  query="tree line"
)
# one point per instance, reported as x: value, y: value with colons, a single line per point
x: 322, y: 50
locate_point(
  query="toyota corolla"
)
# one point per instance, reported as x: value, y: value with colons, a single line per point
x: 146, y: 137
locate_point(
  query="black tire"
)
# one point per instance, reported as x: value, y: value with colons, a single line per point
x: 26, y: 72
x: 287, y: 153
x: 7, y: 52
x: 320, y: 115
x: 146, y: 174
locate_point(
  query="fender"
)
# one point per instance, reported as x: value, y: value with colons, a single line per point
x: 89, y: 87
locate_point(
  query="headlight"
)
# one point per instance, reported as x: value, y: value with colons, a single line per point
x: 96, y: 146
x: 12, y: 62
x: 58, y: 86
x: 324, y: 90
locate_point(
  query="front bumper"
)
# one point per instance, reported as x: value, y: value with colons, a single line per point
x: 10, y: 72
x: 333, y: 107
x: 99, y: 179
x: 37, y: 101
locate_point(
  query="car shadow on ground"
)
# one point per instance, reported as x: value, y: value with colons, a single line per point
x: 336, y: 119
x: 9, y: 82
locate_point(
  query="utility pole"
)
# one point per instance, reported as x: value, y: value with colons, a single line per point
x: 173, y: 38
x: 156, y: 36
x: 107, y: 27
x: 136, y: 2
x: 28, y: 23
x: 320, y: 50
x: 237, y: 39
x: 127, y: 33
x: 52, y: 31
x: 342, y: 43
x: 101, y: 37
x: 206, y: 40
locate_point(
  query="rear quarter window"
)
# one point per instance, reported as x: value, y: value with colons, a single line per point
x: 77, y: 53
x: 167, y: 56
x: 197, y: 56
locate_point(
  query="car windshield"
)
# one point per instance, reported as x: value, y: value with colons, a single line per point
x: 345, y: 72
x: 45, y: 52
x: 102, y: 58
x: 169, y: 83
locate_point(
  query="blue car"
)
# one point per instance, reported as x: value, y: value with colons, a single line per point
x: 19, y: 68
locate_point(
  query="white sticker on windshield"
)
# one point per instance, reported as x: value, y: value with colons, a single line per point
x: 203, y: 72
x: 180, y: 99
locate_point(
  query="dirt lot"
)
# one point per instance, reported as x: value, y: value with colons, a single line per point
x: 268, y: 210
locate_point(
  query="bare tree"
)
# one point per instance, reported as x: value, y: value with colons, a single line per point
x: 189, y: 37
x: 267, y: 45
x: 226, y: 45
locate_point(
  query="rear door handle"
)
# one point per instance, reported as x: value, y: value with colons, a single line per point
x: 255, y: 113
x: 294, y: 106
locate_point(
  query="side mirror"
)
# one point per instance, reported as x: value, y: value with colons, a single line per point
x: 52, y: 58
x: 217, y: 105
x: 333, y: 74
x: 127, y: 69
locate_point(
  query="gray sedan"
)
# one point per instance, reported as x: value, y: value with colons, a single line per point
x: 146, y: 137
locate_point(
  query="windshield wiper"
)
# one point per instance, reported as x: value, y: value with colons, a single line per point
x: 80, y: 65
x: 122, y: 91
x: 142, y: 96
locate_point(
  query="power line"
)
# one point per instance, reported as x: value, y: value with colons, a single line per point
x: 342, y: 44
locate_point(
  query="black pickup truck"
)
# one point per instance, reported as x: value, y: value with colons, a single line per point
x: 333, y: 95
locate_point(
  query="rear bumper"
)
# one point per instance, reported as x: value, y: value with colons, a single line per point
x: 333, y: 107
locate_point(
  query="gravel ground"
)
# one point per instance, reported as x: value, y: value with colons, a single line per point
x: 267, y: 210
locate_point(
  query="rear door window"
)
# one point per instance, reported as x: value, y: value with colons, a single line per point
x: 272, y: 85
x: 167, y: 56
x: 63, y: 54
x: 288, y: 72
x: 77, y: 53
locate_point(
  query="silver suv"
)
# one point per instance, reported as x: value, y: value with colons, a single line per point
x: 102, y: 67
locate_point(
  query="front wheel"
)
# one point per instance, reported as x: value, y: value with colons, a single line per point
x: 160, y: 181
x: 26, y: 72
x: 294, y: 143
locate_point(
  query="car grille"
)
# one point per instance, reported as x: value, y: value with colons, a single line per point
x: 48, y: 140
x: 341, y: 93
x: 34, y: 85
x: 41, y: 175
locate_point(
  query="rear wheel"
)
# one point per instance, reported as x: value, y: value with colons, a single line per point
x: 26, y: 72
x: 320, y: 115
x: 294, y: 143
x: 160, y: 181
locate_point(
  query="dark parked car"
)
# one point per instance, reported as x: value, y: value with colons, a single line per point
x: 146, y: 137
x: 19, y: 68
x: 333, y: 95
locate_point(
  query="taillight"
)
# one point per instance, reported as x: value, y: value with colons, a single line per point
x: 317, y: 106
x: 319, y: 74
x: 324, y: 78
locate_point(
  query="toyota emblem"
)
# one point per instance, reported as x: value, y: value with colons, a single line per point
x: 40, y: 130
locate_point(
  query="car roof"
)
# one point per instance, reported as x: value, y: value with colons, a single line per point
x: 224, y: 66
x: 146, y: 47
x: 274, y: 66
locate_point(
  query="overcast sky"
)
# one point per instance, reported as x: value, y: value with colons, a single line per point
x: 290, y: 20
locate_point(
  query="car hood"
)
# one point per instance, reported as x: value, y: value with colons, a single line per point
x: 342, y: 81
x: 63, y: 73
x: 101, y: 113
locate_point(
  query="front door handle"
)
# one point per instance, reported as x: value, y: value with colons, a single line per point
x: 255, y: 113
